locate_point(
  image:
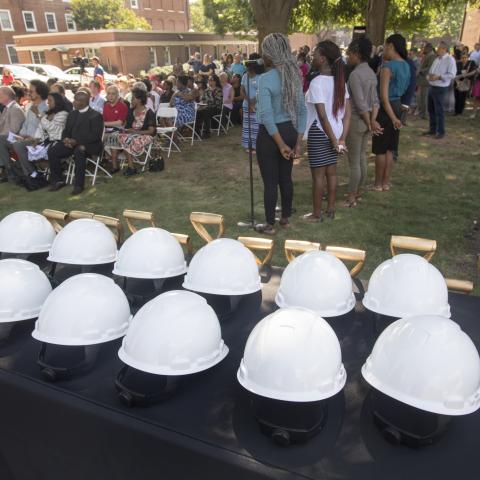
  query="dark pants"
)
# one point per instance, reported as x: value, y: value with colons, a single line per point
x: 436, y: 97
x: 276, y: 171
x: 204, y: 118
x: 460, y: 99
x: 59, y: 152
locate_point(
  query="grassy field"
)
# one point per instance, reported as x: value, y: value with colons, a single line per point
x: 435, y: 194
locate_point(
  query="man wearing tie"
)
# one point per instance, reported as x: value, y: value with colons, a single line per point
x: 81, y: 138
x: 441, y: 74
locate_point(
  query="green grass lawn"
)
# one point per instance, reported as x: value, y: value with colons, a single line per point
x: 435, y: 195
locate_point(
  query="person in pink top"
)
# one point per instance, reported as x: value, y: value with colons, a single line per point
x: 304, y: 69
x: 228, y: 94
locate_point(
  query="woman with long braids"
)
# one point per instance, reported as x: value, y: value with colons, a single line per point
x: 328, y: 120
x: 281, y: 115
x: 394, y: 81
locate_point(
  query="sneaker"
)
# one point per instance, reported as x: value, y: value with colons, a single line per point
x: 129, y: 172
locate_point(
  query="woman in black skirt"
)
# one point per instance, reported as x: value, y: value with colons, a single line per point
x: 328, y: 119
x: 281, y: 117
x: 394, y: 81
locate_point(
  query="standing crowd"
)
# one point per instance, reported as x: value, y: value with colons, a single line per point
x: 335, y: 102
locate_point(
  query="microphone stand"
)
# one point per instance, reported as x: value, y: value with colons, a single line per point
x: 251, y: 223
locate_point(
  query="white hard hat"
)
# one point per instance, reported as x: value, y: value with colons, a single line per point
x: 176, y: 333
x: 84, y: 242
x: 86, y: 309
x: 24, y: 289
x: 406, y: 285
x: 25, y: 232
x: 427, y: 362
x: 293, y: 355
x: 223, y: 267
x: 150, y: 253
x: 318, y: 281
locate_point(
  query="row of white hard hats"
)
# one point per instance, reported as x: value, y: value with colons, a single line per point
x: 292, y: 355
x: 401, y: 286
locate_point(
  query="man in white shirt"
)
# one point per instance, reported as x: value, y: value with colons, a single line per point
x: 96, y: 100
x: 475, y: 55
x: 441, y: 74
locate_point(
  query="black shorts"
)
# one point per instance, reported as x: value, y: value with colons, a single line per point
x: 388, y: 141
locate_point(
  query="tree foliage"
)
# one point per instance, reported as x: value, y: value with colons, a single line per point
x: 199, y: 22
x: 429, y: 17
x: 101, y: 14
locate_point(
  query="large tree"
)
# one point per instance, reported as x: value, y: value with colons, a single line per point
x: 266, y: 16
x: 100, y: 14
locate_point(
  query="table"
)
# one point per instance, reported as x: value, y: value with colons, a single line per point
x: 78, y: 430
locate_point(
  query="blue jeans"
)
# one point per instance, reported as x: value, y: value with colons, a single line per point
x: 436, y: 96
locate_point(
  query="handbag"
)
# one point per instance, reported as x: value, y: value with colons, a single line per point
x: 463, y: 85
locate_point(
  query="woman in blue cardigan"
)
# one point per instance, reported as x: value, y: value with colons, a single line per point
x: 281, y: 116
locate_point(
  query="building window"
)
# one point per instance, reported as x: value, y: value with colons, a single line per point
x: 134, y: 3
x: 38, y: 57
x: 12, y: 54
x: 29, y: 20
x: 168, y: 60
x: 153, y: 57
x: 70, y: 22
x: 51, y: 21
x: 6, y: 21
x: 92, y: 52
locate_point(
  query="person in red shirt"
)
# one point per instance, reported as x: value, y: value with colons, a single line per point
x: 7, y: 78
x: 115, y: 112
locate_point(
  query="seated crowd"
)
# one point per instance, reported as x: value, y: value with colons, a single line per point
x: 41, y: 130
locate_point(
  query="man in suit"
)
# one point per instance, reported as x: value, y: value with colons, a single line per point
x: 81, y: 138
x: 11, y: 120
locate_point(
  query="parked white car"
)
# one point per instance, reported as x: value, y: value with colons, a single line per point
x: 71, y: 82
x: 24, y: 74
x: 89, y: 73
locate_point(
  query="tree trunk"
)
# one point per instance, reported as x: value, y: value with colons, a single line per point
x: 376, y: 20
x: 272, y: 16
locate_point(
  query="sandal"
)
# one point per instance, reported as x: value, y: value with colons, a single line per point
x: 284, y: 223
x: 265, y: 228
x: 350, y: 204
x: 375, y: 188
x: 331, y: 214
x: 311, y: 218
x: 386, y: 187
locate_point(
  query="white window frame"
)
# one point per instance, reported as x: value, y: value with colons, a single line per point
x: 34, y: 29
x: 134, y: 4
x: 153, y: 50
x: 8, y: 52
x: 54, y: 21
x: 11, y: 23
x: 40, y: 52
x: 67, y: 16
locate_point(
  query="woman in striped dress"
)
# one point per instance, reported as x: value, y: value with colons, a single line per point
x: 328, y: 110
x: 249, y: 82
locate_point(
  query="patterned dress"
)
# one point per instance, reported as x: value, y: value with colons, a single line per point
x: 185, y: 108
x: 131, y: 142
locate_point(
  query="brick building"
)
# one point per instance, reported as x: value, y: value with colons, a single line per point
x: 21, y: 17
x: 127, y: 50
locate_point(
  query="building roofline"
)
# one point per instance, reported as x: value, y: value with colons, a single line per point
x: 89, y: 32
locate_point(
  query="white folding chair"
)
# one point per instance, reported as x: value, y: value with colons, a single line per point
x: 191, y: 127
x: 219, y: 119
x: 93, y: 170
x: 168, y: 133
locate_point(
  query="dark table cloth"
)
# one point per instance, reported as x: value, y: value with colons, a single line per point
x: 78, y: 429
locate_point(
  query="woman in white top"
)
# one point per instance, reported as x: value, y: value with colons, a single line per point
x: 328, y: 118
x: 53, y: 122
